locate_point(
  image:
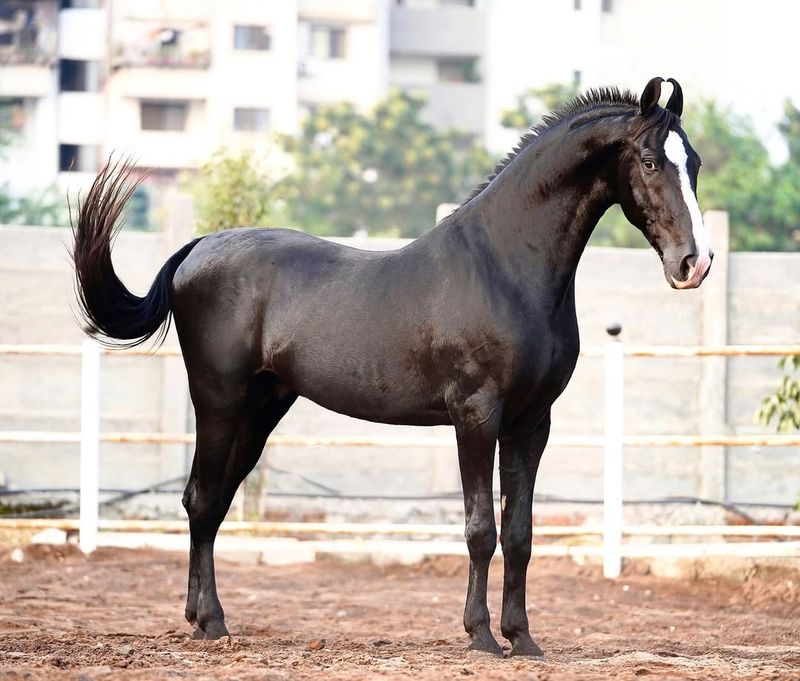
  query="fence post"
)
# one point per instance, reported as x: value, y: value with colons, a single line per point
x: 612, y: 462
x: 714, y: 370
x: 90, y: 445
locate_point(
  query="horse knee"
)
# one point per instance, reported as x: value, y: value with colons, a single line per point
x: 481, y: 540
x: 205, y: 511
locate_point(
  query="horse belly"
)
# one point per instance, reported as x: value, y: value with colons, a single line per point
x: 363, y: 384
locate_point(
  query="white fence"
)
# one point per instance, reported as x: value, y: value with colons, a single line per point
x: 613, y: 440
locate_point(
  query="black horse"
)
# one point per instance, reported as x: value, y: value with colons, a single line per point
x: 472, y: 325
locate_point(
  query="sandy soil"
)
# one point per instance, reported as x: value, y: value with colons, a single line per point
x: 119, y: 615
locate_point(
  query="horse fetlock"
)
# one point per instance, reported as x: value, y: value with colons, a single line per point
x: 212, y: 623
x: 483, y: 641
x: 525, y: 646
x: 514, y: 626
x: 215, y: 629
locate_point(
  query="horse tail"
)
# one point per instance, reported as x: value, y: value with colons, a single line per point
x: 112, y: 314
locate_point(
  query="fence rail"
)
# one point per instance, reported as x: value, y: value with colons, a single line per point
x: 417, y: 530
x: 613, y: 441
x: 56, y: 437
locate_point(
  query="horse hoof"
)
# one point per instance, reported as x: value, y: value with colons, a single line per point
x: 198, y: 634
x: 215, y: 630
x: 526, y: 648
x: 486, y: 645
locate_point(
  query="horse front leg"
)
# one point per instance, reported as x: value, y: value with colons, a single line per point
x: 520, y: 455
x: 476, y: 434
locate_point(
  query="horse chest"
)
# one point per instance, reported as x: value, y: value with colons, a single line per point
x: 546, y: 364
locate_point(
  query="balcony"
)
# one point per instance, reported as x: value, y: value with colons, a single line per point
x: 28, y: 34
x: 454, y: 105
x: 343, y: 12
x: 25, y: 80
x: 169, y: 150
x: 83, y: 33
x: 80, y: 118
x: 158, y: 83
x: 171, y: 44
x: 446, y: 31
x: 157, y: 56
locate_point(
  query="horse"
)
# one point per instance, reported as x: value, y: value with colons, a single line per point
x: 472, y: 325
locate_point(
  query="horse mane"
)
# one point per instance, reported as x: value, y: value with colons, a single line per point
x: 597, y: 101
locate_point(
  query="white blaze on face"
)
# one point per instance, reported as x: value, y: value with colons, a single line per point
x: 675, y: 151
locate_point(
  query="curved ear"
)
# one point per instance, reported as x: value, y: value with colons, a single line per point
x: 675, y: 103
x: 650, y: 95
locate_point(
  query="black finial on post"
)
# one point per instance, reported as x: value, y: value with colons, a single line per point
x: 614, y: 329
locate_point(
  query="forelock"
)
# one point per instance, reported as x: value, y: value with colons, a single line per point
x: 659, y: 120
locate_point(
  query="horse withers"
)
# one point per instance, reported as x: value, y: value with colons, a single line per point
x: 472, y: 324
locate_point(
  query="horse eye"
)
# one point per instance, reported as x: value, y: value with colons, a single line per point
x: 649, y: 164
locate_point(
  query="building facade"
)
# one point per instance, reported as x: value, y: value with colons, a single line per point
x: 170, y: 81
x: 167, y: 83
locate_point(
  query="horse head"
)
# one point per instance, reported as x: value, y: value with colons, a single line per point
x: 657, y: 187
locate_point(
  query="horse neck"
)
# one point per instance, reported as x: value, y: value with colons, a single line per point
x: 539, y: 212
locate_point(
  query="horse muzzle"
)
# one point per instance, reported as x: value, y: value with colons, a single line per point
x: 689, y: 272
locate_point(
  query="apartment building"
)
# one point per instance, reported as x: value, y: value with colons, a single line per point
x: 169, y: 81
x: 438, y: 50
x: 342, y: 53
x: 29, y: 92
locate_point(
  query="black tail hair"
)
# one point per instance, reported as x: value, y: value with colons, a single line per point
x: 110, y: 311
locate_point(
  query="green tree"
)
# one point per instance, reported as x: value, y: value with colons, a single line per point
x: 44, y: 208
x: 384, y: 171
x: 789, y: 127
x: 532, y: 104
x: 784, y: 406
x: 234, y: 190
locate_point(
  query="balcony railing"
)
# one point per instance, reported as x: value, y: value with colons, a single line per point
x: 26, y: 56
x: 159, y: 56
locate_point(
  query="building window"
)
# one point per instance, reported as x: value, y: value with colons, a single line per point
x: 458, y: 70
x: 250, y: 120
x: 12, y: 114
x: 78, y: 76
x: 78, y: 158
x: 78, y: 4
x: 607, y: 5
x: 251, y: 38
x: 164, y: 115
x: 577, y: 77
x: 328, y: 42
x: 576, y: 5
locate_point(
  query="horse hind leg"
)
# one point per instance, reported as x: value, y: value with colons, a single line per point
x: 217, y: 472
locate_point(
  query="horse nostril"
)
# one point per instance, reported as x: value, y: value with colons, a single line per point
x: 711, y: 255
x: 687, y: 265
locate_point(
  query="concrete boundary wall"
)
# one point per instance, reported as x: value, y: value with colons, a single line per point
x: 748, y: 298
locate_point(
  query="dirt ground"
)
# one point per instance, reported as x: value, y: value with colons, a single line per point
x: 119, y: 615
